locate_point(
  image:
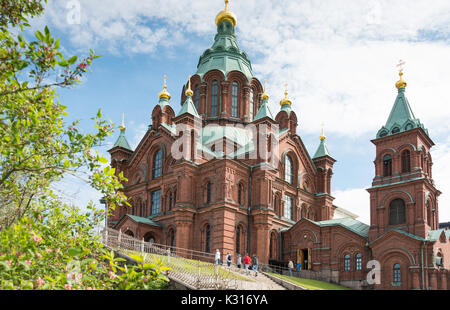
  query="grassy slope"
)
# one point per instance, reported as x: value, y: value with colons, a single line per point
x: 188, y: 265
x: 311, y: 284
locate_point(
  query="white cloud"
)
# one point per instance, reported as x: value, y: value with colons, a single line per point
x: 356, y: 200
x: 338, y: 57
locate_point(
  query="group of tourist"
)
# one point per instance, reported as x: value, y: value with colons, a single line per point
x: 248, y: 262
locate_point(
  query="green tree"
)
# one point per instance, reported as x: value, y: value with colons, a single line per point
x: 37, y: 147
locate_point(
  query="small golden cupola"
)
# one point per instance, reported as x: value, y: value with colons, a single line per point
x: 164, y: 94
x: 226, y: 15
x: 285, y: 101
x: 401, y: 83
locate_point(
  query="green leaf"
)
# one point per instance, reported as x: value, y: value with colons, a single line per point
x: 137, y: 258
x: 75, y: 251
x: 72, y: 60
x: 103, y: 160
x: 40, y: 36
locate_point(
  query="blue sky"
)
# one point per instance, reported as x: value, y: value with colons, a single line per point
x: 338, y: 57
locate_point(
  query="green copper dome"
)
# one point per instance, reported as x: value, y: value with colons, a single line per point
x: 225, y: 55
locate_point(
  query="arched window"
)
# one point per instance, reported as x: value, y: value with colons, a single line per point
x: 208, y: 192
x: 214, y: 98
x: 196, y: 96
x: 397, y: 212
x: 406, y: 161
x: 252, y: 106
x: 358, y: 261
x: 289, y: 170
x: 234, y: 100
x: 207, y: 239
x: 156, y: 202
x: 397, y: 274
x: 347, y: 262
x: 396, y: 130
x: 238, y: 239
x: 387, y: 165
x: 240, y: 192
x: 157, y: 164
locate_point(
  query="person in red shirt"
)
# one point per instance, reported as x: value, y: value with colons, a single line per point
x: 247, y: 263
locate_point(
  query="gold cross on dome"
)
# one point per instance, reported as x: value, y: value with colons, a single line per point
x: 165, y: 80
x: 400, y: 65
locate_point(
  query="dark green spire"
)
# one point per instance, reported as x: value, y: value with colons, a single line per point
x: 122, y: 140
x: 322, y: 150
x: 401, y: 117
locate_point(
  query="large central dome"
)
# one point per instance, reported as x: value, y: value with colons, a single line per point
x: 225, y: 54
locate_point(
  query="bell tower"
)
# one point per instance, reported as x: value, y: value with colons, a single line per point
x: 403, y: 195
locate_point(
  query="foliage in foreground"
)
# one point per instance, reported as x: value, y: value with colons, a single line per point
x: 54, y: 248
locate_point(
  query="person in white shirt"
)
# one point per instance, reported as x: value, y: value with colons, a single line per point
x: 217, y: 258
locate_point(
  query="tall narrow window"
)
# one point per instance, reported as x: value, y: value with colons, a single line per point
x: 289, y: 172
x: 240, y: 194
x: 172, y: 239
x: 387, y: 165
x: 157, y: 164
x: 156, y: 202
x: 358, y: 261
x: 288, y: 207
x: 275, y: 205
x: 238, y: 239
x: 397, y: 274
x: 208, y: 192
x: 196, y: 96
x: 207, y: 238
x: 214, y: 98
x: 406, y: 161
x: 170, y: 201
x: 252, y: 106
x: 397, y: 212
x: 347, y: 262
x: 234, y: 102
x: 270, y: 246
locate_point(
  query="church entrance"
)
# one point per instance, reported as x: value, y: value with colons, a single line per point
x: 304, y: 258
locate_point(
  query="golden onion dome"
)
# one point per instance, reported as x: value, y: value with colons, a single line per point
x: 323, y: 137
x: 285, y: 100
x: 265, y: 96
x: 226, y: 15
x: 189, y: 92
x: 164, y: 93
x: 401, y: 83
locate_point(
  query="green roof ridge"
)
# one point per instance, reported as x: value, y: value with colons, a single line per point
x: 263, y: 111
x: 189, y: 107
x: 122, y: 140
x: 322, y: 150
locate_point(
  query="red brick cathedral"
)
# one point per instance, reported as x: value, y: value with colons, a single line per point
x: 199, y: 180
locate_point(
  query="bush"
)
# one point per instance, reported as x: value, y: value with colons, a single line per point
x: 55, y: 248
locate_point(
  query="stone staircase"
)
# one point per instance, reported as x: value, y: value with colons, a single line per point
x: 260, y: 282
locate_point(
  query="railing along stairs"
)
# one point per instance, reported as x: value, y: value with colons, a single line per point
x: 194, y: 268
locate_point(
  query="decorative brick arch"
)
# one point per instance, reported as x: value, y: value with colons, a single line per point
x: 386, y: 200
x: 390, y: 257
x: 151, y: 154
